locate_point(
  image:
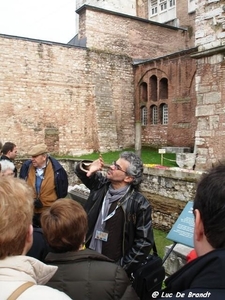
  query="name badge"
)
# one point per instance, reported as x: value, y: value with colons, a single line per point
x: 101, y: 235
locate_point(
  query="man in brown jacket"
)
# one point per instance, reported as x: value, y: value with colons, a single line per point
x: 47, y: 178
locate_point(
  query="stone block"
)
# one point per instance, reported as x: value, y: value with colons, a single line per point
x: 176, y: 259
x: 186, y: 160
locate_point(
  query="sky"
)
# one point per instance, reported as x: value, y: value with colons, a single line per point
x: 51, y: 20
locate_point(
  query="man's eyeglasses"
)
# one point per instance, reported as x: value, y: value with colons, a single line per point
x: 118, y: 167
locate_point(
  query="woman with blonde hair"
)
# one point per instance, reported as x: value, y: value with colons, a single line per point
x: 19, y: 273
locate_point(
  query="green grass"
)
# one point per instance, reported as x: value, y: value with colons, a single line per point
x: 161, y: 241
x: 148, y: 156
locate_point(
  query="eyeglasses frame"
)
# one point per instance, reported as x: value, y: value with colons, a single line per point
x: 118, y: 167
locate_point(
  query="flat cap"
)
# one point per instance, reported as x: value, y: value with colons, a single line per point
x: 38, y: 149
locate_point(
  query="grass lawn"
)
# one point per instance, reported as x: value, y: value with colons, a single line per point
x: 161, y: 241
x: 148, y: 156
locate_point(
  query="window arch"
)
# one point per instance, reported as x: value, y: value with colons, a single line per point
x: 154, y: 114
x: 143, y: 92
x: 153, y: 88
x: 163, y: 88
x: 144, y: 116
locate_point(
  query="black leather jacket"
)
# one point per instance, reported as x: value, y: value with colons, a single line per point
x: 138, y: 233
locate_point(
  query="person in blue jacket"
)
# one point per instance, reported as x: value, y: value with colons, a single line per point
x: 46, y: 176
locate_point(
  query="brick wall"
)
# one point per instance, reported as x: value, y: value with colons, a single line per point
x: 71, y: 98
x: 127, y: 35
x: 179, y: 69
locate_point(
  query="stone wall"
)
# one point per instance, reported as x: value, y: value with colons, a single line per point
x: 210, y: 39
x: 71, y: 98
x: 167, y: 189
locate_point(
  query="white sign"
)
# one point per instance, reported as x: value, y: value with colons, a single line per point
x: 162, y: 151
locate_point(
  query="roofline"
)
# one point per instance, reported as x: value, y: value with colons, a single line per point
x: 8, y: 36
x: 106, y: 11
x: 137, y: 62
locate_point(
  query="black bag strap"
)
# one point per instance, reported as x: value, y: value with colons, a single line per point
x: 154, y: 247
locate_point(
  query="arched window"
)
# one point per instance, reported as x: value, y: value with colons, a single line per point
x: 153, y: 88
x: 163, y: 88
x: 164, y: 114
x: 143, y: 92
x: 154, y: 115
x: 144, y: 116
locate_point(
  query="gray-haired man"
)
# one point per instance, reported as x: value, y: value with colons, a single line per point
x: 119, y: 216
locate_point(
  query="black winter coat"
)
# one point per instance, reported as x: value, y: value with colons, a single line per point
x: 203, y: 276
x: 138, y: 233
x: 89, y: 275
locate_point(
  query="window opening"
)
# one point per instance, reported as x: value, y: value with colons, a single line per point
x: 154, y: 114
x: 164, y: 114
x: 144, y: 116
x: 153, y: 88
x: 143, y: 92
x: 163, y: 88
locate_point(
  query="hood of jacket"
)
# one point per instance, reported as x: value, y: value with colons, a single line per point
x: 204, y: 272
x: 25, y: 268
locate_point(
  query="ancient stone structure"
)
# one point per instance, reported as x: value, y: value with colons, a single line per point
x: 126, y: 79
x: 79, y: 99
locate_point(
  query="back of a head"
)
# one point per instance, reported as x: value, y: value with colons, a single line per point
x: 8, y: 146
x: 6, y: 167
x: 136, y: 166
x: 64, y: 225
x: 16, y: 212
x: 210, y: 201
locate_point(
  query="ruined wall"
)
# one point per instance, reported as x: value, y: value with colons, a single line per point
x: 210, y: 88
x: 71, y: 98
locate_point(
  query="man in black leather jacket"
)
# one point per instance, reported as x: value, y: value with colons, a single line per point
x: 203, y: 277
x: 119, y: 216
